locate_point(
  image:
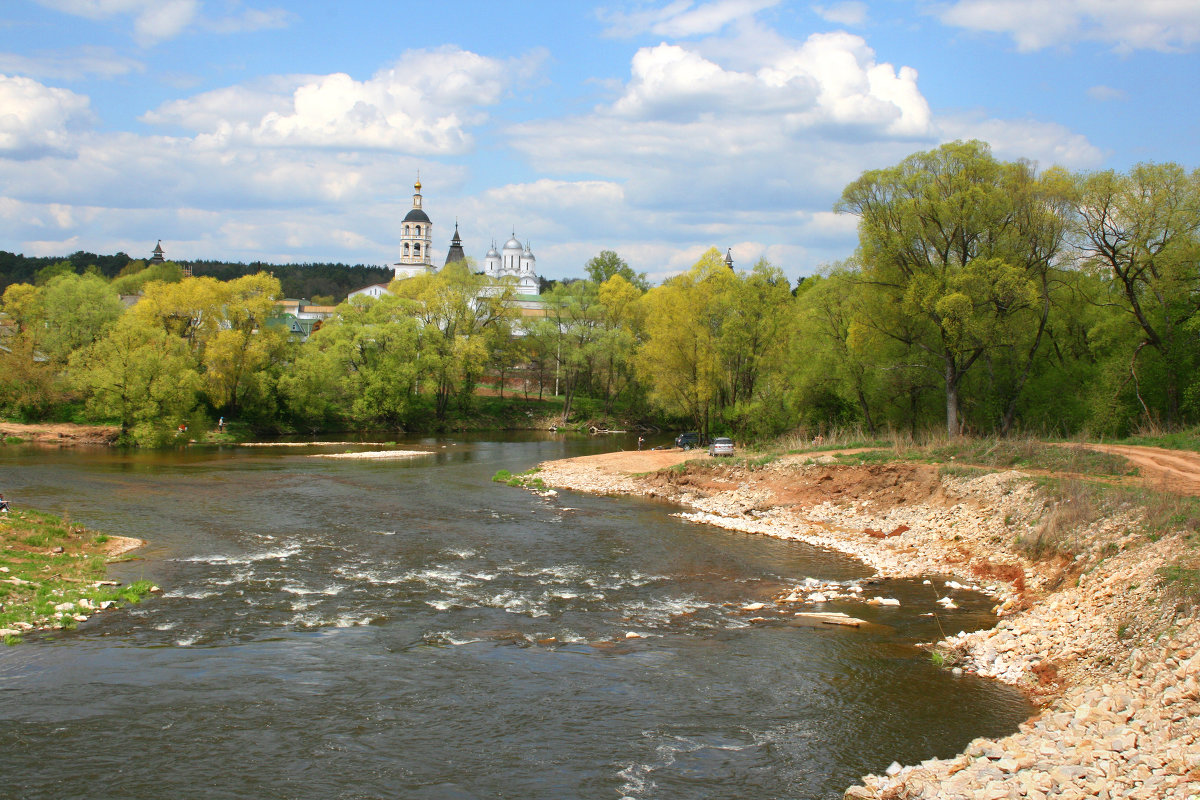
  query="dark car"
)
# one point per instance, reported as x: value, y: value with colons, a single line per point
x: 687, y: 440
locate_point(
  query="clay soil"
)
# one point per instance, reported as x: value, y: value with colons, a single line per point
x: 1173, y: 470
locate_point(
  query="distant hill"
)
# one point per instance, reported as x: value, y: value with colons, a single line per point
x: 298, y: 280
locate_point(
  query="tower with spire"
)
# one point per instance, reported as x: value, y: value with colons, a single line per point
x: 456, y: 249
x: 416, y: 239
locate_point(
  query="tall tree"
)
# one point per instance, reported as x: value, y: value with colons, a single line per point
x: 947, y: 238
x: 1142, y: 229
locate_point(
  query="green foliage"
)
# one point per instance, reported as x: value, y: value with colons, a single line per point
x: 502, y: 476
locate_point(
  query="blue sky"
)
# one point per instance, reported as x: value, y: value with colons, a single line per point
x: 292, y: 131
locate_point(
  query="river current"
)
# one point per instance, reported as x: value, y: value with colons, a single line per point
x: 409, y: 629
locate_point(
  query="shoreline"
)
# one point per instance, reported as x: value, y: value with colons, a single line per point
x: 1114, y: 674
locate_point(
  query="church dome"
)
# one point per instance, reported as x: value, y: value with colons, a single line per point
x: 512, y: 244
x: 416, y: 215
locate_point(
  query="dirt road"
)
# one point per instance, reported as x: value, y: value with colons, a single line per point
x: 1174, y: 470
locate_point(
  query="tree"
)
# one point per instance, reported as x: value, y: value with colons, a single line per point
x: 140, y: 375
x: 607, y: 263
x: 679, y: 360
x: 78, y: 311
x: 948, y: 238
x: 1142, y: 230
x: 362, y: 365
x: 455, y: 307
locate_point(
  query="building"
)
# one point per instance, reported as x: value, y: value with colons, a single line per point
x: 416, y: 240
x: 514, y: 261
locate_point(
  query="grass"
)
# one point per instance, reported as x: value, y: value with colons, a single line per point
x: 50, y: 571
x: 527, y: 479
x: 1155, y: 436
x: 1181, y: 583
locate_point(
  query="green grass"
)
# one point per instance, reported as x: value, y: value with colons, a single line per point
x: 37, y: 583
x: 1174, y: 440
x: 1181, y: 582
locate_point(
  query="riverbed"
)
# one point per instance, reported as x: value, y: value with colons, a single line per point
x: 360, y: 628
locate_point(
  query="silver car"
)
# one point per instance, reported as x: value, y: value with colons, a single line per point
x: 721, y: 446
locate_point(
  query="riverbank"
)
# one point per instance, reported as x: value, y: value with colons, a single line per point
x: 1087, y: 629
x: 60, y: 433
x: 53, y: 574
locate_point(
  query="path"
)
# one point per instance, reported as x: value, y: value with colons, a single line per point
x: 1174, y: 470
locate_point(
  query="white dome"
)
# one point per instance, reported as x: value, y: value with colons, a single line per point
x: 512, y: 244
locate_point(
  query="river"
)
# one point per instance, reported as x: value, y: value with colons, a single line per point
x: 409, y: 629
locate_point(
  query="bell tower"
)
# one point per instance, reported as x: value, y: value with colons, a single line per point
x: 416, y: 239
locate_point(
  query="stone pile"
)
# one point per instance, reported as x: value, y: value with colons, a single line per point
x: 1117, y: 670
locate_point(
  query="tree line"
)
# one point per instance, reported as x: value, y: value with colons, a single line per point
x: 984, y: 296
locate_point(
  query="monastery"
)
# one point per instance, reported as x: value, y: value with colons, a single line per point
x: 515, y: 260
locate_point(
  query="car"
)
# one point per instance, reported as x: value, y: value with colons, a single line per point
x: 687, y: 440
x: 721, y: 446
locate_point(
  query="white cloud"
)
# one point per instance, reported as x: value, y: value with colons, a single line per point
x: 250, y: 20
x: 1107, y: 94
x: 852, y: 12
x: 683, y: 18
x: 1164, y: 25
x: 103, y: 62
x: 1047, y: 143
x: 158, y: 20
x: 153, y: 20
x: 38, y: 120
x: 425, y: 104
x: 832, y: 80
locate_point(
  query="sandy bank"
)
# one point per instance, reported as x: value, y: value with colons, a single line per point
x: 375, y: 455
x: 1115, y: 668
x: 62, y: 433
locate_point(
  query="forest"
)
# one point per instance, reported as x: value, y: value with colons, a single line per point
x: 984, y: 296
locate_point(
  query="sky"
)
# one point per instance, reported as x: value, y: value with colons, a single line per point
x: 252, y: 130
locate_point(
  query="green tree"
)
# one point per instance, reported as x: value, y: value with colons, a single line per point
x: 139, y: 375
x: 951, y: 238
x: 1142, y: 230
x: 607, y: 263
x: 455, y: 307
x: 78, y: 311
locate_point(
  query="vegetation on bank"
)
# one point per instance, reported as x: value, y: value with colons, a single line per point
x: 985, y: 297
x: 52, y: 573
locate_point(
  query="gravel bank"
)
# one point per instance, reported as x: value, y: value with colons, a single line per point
x: 1114, y: 667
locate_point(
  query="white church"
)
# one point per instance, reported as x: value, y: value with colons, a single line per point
x: 515, y: 260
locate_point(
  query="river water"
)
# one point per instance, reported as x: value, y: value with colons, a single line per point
x: 409, y: 629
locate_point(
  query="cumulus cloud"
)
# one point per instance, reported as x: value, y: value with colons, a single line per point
x: 1164, y: 25
x: 425, y: 104
x: 832, y: 80
x: 683, y: 18
x: 38, y: 120
x: 77, y: 63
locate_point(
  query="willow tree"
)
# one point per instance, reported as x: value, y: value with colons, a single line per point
x: 1142, y: 231
x: 962, y: 244
x: 455, y: 308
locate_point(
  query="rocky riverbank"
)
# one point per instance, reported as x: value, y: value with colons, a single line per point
x: 1091, y: 637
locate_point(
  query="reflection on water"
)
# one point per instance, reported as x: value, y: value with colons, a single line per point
x: 347, y: 629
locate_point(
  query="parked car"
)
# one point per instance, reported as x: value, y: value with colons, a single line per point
x: 688, y: 440
x: 721, y: 446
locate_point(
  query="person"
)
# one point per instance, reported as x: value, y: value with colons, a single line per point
x: 640, y: 440
x: 3, y: 505
x: 221, y: 424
